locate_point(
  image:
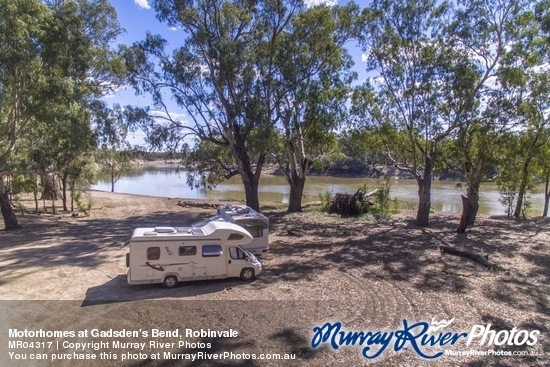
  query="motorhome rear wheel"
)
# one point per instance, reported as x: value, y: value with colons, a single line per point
x: 170, y: 281
x: 247, y: 274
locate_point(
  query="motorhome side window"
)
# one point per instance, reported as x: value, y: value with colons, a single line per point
x: 153, y: 253
x: 211, y: 251
x: 187, y: 250
x: 236, y: 253
x: 256, y: 232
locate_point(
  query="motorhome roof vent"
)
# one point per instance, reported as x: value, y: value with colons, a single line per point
x: 243, y: 210
x: 150, y: 233
x: 165, y: 230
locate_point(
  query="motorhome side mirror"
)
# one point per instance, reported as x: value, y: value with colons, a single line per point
x: 246, y: 258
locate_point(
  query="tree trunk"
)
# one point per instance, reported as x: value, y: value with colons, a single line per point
x: 113, y: 177
x: 10, y: 220
x: 51, y: 187
x: 71, y: 189
x: 467, y: 211
x: 522, y: 188
x: 424, y: 195
x: 296, y: 194
x: 64, y: 188
x: 53, y: 206
x: 9, y: 189
x: 251, y: 192
x: 474, y: 202
x: 251, y: 182
x: 546, y: 196
x: 470, y: 206
x: 35, y: 193
x: 251, y: 178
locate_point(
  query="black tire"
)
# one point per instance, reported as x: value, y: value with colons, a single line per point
x: 247, y: 274
x: 170, y: 281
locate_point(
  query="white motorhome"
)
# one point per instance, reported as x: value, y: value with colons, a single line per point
x: 255, y: 223
x: 169, y: 255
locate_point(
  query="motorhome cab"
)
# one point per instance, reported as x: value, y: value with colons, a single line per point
x: 170, y: 255
x: 255, y: 223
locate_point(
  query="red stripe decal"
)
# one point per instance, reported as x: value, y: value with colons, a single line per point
x: 156, y: 267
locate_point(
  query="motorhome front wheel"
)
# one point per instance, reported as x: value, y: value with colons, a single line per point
x: 247, y: 274
x: 170, y: 281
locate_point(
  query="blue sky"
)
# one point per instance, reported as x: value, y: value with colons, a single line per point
x: 137, y: 17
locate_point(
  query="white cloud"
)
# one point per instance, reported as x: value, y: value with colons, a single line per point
x: 173, y: 29
x: 142, y: 4
x: 174, y: 116
x: 364, y: 57
x: 312, y: 3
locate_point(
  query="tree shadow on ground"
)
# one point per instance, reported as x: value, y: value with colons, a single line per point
x: 398, y: 250
x: 79, y: 243
x: 393, y: 251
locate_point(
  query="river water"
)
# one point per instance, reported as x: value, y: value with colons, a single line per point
x: 166, y: 181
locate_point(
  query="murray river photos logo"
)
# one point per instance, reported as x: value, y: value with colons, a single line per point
x: 419, y: 337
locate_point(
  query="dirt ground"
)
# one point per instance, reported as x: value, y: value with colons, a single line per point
x: 61, y: 272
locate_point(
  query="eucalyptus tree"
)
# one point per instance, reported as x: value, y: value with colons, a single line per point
x: 528, y: 77
x: 221, y: 76
x: 58, y: 146
x: 111, y: 132
x: 20, y: 78
x: 312, y: 88
x: 50, y: 52
x: 544, y: 170
x: 524, y: 77
x: 419, y: 90
x: 487, y: 30
x: 532, y: 115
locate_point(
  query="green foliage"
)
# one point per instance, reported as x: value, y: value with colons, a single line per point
x: 516, y: 176
x: 508, y: 189
x: 22, y: 183
x: 383, y: 208
x: 114, y: 164
x: 326, y: 199
x: 207, y: 164
x: 20, y: 207
x: 222, y: 76
x: 55, y: 58
x: 404, y: 101
x: 312, y: 85
x: 84, y: 203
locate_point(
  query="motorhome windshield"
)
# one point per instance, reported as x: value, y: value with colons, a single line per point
x: 248, y: 254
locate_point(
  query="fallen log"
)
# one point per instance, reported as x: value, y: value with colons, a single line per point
x: 483, y: 260
x: 195, y: 204
x: 313, y: 203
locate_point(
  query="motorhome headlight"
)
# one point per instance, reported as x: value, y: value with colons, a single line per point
x: 252, y: 258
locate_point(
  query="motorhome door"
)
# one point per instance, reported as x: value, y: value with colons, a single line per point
x: 236, y: 260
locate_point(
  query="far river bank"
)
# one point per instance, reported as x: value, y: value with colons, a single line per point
x: 163, y: 179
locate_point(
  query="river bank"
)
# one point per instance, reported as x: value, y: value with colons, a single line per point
x: 373, y: 171
x: 165, y: 180
x: 366, y: 274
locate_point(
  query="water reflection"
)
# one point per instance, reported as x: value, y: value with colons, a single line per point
x: 166, y: 181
